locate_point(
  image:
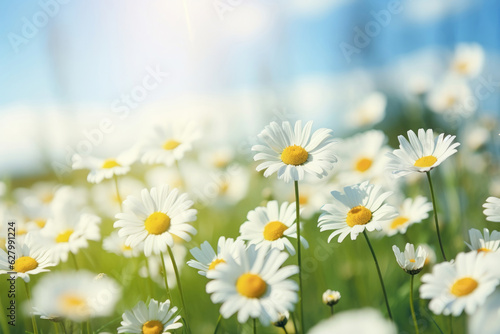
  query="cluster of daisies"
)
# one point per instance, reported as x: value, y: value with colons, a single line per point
x: 247, y: 274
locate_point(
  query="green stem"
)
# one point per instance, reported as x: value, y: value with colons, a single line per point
x: 294, y: 322
x: 411, y: 305
x: 178, y: 278
x: 63, y: 327
x: 88, y: 327
x: 451, y: 323
x: 33, y: 320
x: 74, y: 260
x: 284, y: 329
x: 164, y: 274
x: 379, y: 274
x: 55, y: 327
x: 218, y: 323
x: 435, y: 214
x: 299, y: 246
x: 331, y: 310
x: 118, y: 197
x: 254, y: 326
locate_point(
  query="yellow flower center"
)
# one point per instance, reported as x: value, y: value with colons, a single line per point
x: 170, y: 144
x: 64, y: 236
x: 294, y: 155
x: 152, y: 327
x: 40, y: 222
x: 363, y: 164
x: 412, y: 260
x: 274, y: 230
x: 303, y: 199
x: 215, y: 263
x: 110, y: 163
x: 22, y: 231
x: 73, y: 303
x: 157, y: 223
x: 462, y: 67
x: 463, y: 286
x: 251, y: 285
x: 224, y: 186
x: 359, y: 215
x: 426, y: 161
x: 482, y: 249
x: 126, y: 248
x: 398, y: 222
x: 47, y: 197
x: 24, y: 264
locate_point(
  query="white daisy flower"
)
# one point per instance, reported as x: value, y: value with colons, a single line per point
x: 486, y: 243
x: 420, y: 154
x: 256, y: 286
x: 410, y: 260
x: 430, y: 257
x: 156, y: 318
x: 455, y: 286
x: 155, y: 218
x: 331, y: 297
x: 468, y: 59
x: 360, y: 207
x: 101, y: 169
x: 154, y: 268
x: 294, y: 152
x: 492, y: 209
x: 105, y: 198
x: 362, y: 157
x: 410, y: 212
x: 76, y: 295
x: 272, y: 226
x: 485, y: 319
x: 115, y: 244
x: 365, y: 320
x: 170, y: 143
x: 30, y: 259
x: 452, y: 96
x: 369, y: 111
x: 206, y: 259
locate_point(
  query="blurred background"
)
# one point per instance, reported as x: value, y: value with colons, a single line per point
x: 235, y: 65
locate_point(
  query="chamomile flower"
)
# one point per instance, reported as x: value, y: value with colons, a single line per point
x: 455, y: 286
x: 170, y: 143
x: 410, y: 260
x: 492, y: 209
x: 272, y: 226
x: 156, y: 318
x: 294, y: 152
x: 76, y: 296
x: 468, y: 59
x: 256, y: 286
x: 420, y: 154
x: 207, y: 259
x: 452, y: 96
x: 360, y: 207
x: 356, y: 321
x: 362, y: 157
x: 487, y: 243
x: 106, y: 199
x: 369, y: 111
x: 115, y: 244
x: 30, y: 259
x: 155, y: 218
x: 331, y: 297
x: 101, y: 169
x: 410, y: 212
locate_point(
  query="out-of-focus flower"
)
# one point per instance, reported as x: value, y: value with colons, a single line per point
x: 256, y: 286
x: 170, y: 143
x: 282, y: 319
x: 76, y: 296
x: 430, y: 257
x: 410, y: 261
x: 155, y: 218
x: 101, y: 169
x: 271, y: 226
x: 365, y: 320
x: 293, y: 152
x: 206, y: 259
x: 114, y: 244
x: 420, y: 154
x: 360, y: 207
x: 331, y: 297
x: 468, y: 60
x: 362, y: 158
x: 30, y: 259
x: 368, y: 112
x: 452, y: 96
x: 463, y: 284
x: 486, y: 243
x: 105, y: 198
x: 410, y: 212
x: 156, y: 318
x: 492, y: 209
x: 485, y: 319
x: 154, y: 269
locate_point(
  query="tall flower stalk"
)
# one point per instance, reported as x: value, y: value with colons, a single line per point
x: 435, y: 215
x: 299, y: 257
x: 178, y: 279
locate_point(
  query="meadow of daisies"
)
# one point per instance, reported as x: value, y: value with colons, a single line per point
x: 392, y: 229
